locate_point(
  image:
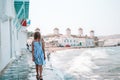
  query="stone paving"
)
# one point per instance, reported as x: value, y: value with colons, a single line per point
x: 24, y: 69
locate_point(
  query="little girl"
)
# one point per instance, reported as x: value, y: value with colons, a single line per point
x: 38, y: 54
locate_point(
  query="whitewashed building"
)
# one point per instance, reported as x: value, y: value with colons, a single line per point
x: 12, y: 37
x: 76, y: 41
x: 69, y: 40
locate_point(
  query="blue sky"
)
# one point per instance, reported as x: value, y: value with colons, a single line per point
x: 102, y: 16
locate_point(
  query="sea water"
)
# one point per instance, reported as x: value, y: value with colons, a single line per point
x: 87, y: 64
x: 72, y: 64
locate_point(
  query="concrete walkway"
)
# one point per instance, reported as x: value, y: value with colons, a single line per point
x: 24, y: 69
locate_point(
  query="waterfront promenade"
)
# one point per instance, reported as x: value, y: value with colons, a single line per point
x: 24, y: 69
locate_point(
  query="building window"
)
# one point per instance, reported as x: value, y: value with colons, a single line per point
x: 66, y: 40
x: 74, y: 40
x: 74, y: 45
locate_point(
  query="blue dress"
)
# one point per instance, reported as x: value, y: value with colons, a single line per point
x: 38, y: 53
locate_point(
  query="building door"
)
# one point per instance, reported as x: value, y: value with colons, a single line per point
x: 80, y: 43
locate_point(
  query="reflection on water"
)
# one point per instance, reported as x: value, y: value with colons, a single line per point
x: 88, y: 64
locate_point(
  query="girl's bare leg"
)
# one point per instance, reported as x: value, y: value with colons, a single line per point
x: 40, y: 71
x: 37, y: 70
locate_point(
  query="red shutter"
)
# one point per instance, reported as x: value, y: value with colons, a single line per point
x: 24, y: 23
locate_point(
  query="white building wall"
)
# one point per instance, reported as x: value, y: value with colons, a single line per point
x: 4, y: 36
x: 90, y: 42
x: 13, y: 39
x: 1, y: 16
x: 5, y: 44
x: 9, y: 41
x: 75, y: 42
x: 72, y: 41
x: 0, y: 46
x: 111, y: 42
x: 82, y: 41
x: 22, y: 35
x: 15, y: 46
x: 2, y: 9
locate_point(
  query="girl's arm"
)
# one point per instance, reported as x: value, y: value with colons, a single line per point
x: 43, y: 48
x: 32, y: 51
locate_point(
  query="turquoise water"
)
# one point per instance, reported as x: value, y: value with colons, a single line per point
x: 74, y: 64
x: 88, y: 64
